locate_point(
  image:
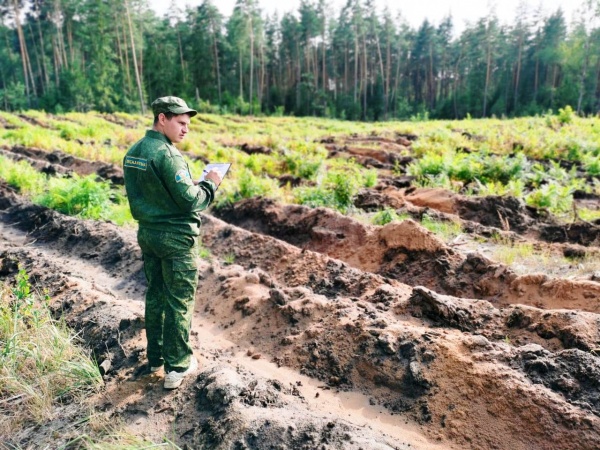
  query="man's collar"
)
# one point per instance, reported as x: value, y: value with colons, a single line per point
x: 158, y: 135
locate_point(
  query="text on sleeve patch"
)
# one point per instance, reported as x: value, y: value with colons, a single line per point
x: 136, y: 163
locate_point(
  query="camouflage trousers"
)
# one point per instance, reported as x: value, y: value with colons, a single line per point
x: 172, y: 274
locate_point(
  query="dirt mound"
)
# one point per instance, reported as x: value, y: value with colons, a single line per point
x: 553, y: 329
x: 572, y: 373
x: 379, y: 199
x: 306, y: 339
x: 437, y: 199
x: 501, y: 212
x: 33, y: 120
x: 371, y: 342
x: 371, y: 151
x: 238, y: 410
x: 568, y: 374
x: 584, y: 233
x: 7, y: 126
x: 401, y: 251
x: 98, y: 297
x: 255, y: 149
x: 91, y: 240
x: 505, y: 213
x: 370, y: 248
x: 508, y: 213
x: 59, y: 162
x: 8, y: 196
x: 39, y: 164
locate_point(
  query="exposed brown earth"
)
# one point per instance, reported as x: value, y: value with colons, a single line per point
x: 315, y: 330
x: 372, y: 151
x: 58, y: 162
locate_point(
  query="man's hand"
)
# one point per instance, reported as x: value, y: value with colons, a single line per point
x: 213, y: 176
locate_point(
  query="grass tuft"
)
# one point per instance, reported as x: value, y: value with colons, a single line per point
x: 41, y: 362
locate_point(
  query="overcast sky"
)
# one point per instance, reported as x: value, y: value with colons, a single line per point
x: 414, y: 11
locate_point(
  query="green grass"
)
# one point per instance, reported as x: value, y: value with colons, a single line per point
x: 204, y: 253
x: 84, y: 197
x: 386, y: 216
x: 518, y: 157
x: 510, y: 254
x: 444, y: 229
x: 22, y: 176
x: 43, y: 367
x: 229, y: 259
x: 589, y: 214
x: 41, y: 362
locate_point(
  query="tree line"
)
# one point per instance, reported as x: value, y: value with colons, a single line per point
x: 357, y: 63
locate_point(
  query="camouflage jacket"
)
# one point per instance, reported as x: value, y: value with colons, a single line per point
x: 159, y: 187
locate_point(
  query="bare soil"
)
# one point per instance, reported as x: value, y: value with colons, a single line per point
x: 316, y: 331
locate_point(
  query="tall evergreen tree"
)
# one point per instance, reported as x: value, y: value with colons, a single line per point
x: 112, y: 55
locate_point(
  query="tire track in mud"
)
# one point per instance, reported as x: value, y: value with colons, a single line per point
x: 438, y: 360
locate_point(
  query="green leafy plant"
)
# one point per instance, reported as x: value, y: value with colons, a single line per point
x: 204, y: 253
x: 565, y: 115
x: 315, y: 197
x: 431, y: 164
x: 84, y: 197
x: 250, y: 185
x: 552, y: 196
x: 515, y: 188
x: 592, y: 165
x: 344, y: 189
x: 386, y: 216
x: 370, y: 178
x: 22, y: 176
x: 301, y: 166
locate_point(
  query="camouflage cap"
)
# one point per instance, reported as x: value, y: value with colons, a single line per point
x: 173, y: 105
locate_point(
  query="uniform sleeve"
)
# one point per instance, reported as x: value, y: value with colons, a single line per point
x: 177, y: 179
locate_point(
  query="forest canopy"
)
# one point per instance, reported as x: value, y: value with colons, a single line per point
x: 355, y: 63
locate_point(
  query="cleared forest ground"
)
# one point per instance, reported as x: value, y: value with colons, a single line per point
x: 317, y: 330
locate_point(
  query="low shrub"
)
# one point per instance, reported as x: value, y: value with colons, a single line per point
x: 22, y: 176
x: 78, y: 196
x: 315, y: 197
x: 386, y: 216
x: 553, y: 197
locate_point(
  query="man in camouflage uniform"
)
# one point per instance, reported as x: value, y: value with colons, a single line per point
x: 166, y: 202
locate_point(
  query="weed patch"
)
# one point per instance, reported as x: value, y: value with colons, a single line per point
x: 446, y: 230
x: 41, y: 363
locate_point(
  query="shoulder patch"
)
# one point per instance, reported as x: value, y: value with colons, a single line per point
x: 183, y: 176
x: 135, y: 163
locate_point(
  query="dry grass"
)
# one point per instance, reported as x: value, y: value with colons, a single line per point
x: 41, y: 362
x: 525, y: 257
x: 46, y: 378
